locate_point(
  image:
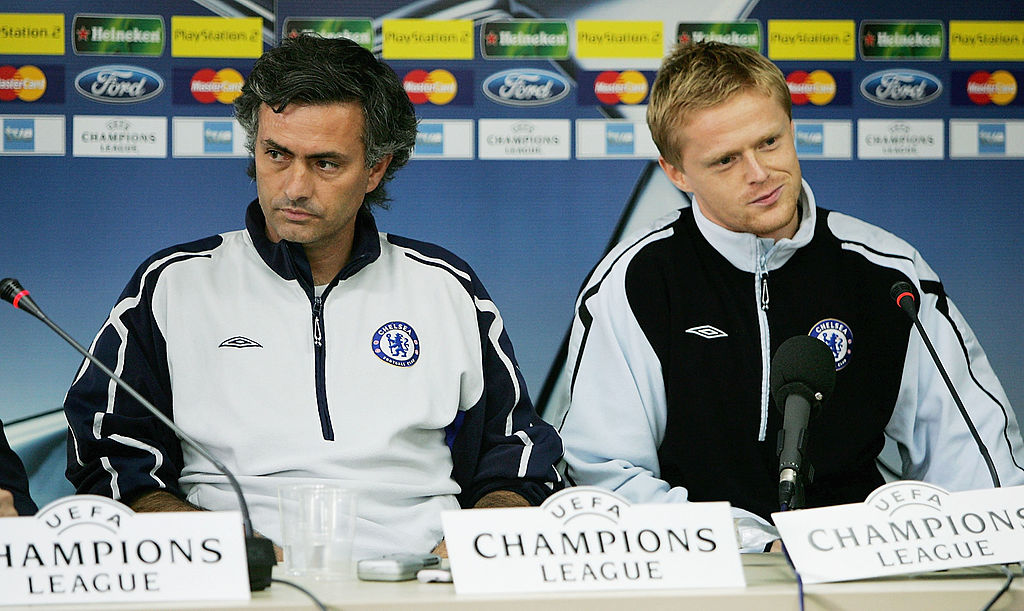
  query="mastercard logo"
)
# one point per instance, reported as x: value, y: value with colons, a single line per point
x: 437, y: 86
x: 998, y: 87
x: 627, y: 87
x: 208, y: 86
x: 27, y: 83
x: 818, y: 87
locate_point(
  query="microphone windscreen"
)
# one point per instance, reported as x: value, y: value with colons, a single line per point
x: 900, y: 288
x: 802, y: 360
x: 9, y: 289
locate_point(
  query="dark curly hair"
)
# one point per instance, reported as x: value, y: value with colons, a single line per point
x: 314, y: 70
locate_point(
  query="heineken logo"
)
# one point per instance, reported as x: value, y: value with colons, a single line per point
x: 739, y: 33
x: 118, y: 35
x: 902, y: 40
x: 518, y: 38
x: 359, y: 31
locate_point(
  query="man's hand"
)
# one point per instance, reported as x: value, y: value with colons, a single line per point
x: 161, y: 500
x: 501, y: 498
x: 7, y: 509
x: 491, y: 500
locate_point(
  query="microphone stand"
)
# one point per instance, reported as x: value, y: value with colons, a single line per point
x: 259, y: 551
x: 905, y: 297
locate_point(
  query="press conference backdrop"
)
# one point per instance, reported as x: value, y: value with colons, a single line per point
x: 530, y: 190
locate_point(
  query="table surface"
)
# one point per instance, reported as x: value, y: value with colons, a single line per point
x: 770, y: 586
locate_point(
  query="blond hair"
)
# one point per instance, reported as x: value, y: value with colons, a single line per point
x: 698, y: 76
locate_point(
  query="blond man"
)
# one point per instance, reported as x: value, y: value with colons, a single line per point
x: 671, y: 345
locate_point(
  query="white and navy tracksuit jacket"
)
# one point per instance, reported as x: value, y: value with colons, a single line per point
x: 13, y: 477
x: 399, y: 382
x: 669, y: 357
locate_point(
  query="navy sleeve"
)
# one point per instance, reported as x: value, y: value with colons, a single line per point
x: 13, y: 477
x: 116, y: 448
x: 502, y: 444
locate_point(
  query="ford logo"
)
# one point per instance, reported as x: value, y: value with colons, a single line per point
x: 526, y: 87
x: 119, y: 84
x: 901, y: 87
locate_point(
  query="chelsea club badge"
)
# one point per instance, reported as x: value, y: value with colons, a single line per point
x: 837, y: 336
x: 396, y: 343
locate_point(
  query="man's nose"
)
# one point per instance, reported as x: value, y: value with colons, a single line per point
x: 299, y: 184
x: 756, y: 169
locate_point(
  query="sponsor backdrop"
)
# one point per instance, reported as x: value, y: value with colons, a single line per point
x: 532, y: 155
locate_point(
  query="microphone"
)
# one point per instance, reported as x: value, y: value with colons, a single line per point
x: 905, y: 296
x: 803, y: 375
x: 259, y: 551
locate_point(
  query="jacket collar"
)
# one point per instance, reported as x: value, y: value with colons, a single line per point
x: 749, y: 253
x: 288, y: 259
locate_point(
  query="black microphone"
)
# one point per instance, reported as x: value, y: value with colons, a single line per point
x: 259, y: 551
x: 905, y: 296
x: 803, y: 375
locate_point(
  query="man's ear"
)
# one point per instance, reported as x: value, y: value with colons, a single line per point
x: 674, y: 174
x: 377, y: 173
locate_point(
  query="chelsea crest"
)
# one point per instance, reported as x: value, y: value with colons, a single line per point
x: 396, y: 343
x: 837, y: 335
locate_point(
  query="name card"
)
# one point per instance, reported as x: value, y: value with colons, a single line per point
x: 588, y: 538
x: 905, y: 527
x: 91, y: 549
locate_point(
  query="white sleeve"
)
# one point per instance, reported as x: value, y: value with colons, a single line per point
x: 934, y: 441
x: 616, y: 414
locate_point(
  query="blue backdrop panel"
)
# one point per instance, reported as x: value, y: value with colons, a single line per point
x: 75, y: 228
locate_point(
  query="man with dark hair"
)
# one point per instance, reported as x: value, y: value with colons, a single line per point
x: 14, y: 496
x: 670, y: 350
x: 309, y: 348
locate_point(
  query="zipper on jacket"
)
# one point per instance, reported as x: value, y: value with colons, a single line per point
x: 320, y: 369
x: 761, y: 295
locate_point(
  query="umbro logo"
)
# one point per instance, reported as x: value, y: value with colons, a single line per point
x: 707, y: 332
x: 239, y: 342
